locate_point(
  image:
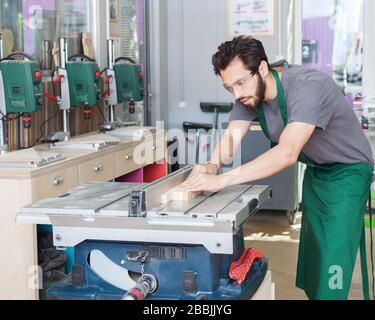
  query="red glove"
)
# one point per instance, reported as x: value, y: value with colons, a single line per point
x: 239, y: 269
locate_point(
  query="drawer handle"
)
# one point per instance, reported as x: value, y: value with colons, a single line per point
x: 58, y: 181
x: 129, y: 157
x: 98, y: 168
x: 154, y: 147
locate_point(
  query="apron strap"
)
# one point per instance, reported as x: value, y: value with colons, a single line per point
x: 284, y: 114
x: 364, y: 269
x: 281, y: 98
x: 282, y: 105
x: 372, y: 247
x: 263, y: 123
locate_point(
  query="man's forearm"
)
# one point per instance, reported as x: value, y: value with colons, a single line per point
x: 225, y: 150
x: 222, y: 153
x: 268, y: 164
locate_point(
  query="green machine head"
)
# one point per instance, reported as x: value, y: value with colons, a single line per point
x: 84, y: 83
x: 23, y: 87
x: 129, y: 81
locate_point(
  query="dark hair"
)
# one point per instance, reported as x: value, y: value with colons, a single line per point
x: 247, y: 48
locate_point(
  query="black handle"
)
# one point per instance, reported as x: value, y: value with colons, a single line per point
x: 125, y: 59
x: 17, y: 54
x: 253, y: 204
x: 81, y: 56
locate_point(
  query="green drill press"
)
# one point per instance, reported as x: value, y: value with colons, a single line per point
x: 80, y: 79
x: 125, y: 80
x: 80, y: 86
x: 84, y: 83
x: 22, y: 83
x: 21, y: 91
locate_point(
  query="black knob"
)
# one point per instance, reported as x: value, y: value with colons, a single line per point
x: 40, y: 101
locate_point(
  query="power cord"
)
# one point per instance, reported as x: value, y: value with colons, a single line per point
x: 101, y: 113
x: 48, y: 120
x: 8, y: 119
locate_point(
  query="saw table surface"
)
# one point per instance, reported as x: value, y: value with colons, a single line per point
x: 105, y: 211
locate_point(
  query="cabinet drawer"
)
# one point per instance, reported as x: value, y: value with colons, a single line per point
x: 125, y: 162
x: 160, y: 147
x: 100, y: 169
x: 155, y: 149
x: 56, y: 184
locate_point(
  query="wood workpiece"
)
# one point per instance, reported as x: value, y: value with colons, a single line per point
x: 177, y: 194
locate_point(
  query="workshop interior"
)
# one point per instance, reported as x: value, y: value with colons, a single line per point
x: 107, y: 107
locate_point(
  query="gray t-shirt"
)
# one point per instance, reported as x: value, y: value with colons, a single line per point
x: 313, y: 97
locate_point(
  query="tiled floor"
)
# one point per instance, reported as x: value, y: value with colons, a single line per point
x: 275, y: 238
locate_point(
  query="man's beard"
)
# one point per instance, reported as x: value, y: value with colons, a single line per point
x: 259, y: 96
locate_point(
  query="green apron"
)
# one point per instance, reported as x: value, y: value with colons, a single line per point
x: 334, y: 202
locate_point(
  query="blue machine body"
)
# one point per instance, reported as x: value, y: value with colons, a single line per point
x: 183, y: 272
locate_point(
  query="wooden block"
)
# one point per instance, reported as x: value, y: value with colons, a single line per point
x: 88, y: 49
x: 8, y: 41
x: 86, y: 36
x: 56, y: 53
x: 177, y: 194
x: 180, y: 195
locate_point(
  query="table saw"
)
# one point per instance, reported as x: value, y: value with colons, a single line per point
x: 128, y: 244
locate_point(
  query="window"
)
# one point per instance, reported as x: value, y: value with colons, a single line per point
x: 127, y: 28
x: 33, y: 26
x: 333, y: 41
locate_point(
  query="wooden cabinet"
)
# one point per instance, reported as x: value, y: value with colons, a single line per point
x: 152, y: 150
x: 55, y: 184
x: 160, y: 147
x: 100, y: 169
x: 125, y: 163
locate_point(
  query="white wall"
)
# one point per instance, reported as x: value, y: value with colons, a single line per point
x: 318, y: 8
x: 159, y: 90
x: 193, y: 31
